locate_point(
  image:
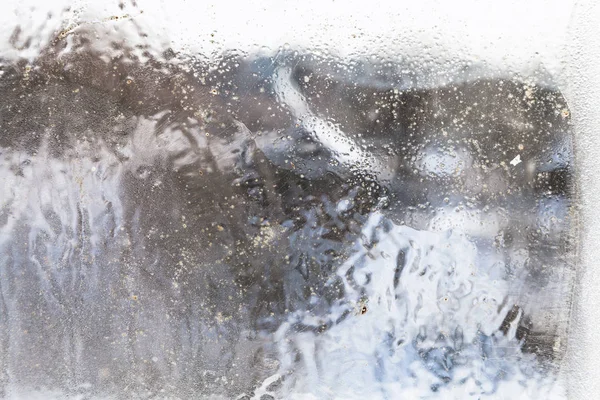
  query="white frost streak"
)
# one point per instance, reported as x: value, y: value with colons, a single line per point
x: 516, y: 161
x: 327, y: 133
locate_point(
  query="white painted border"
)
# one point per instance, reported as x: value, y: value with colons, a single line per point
x: 581, y: 85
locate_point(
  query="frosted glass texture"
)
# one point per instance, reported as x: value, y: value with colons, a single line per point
x: 189, y: 213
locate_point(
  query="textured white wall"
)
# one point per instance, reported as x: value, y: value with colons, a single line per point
x: 582, y: 87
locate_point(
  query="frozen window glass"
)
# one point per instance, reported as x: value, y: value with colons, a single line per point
x: 285, y: 201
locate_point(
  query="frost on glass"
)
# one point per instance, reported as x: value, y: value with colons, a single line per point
x: 277, y: 224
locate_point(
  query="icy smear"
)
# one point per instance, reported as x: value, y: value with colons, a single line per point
x: 288, y: 225
x: 420, y: 319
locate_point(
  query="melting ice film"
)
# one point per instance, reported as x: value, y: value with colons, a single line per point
x: 286, y: 200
